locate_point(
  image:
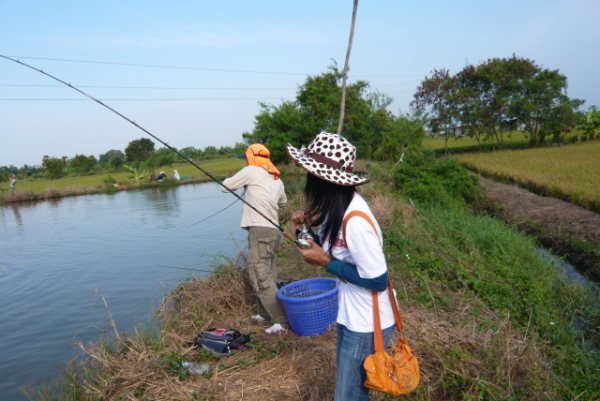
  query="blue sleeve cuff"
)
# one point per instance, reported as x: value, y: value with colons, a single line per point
x: 349, y: 273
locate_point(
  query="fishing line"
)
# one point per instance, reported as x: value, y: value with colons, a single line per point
x: 187, y: 268
x: 285, y: 234
x: 214, y: 214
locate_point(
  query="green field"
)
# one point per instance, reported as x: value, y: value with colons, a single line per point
x: 515, y: 139
x: 41, y: 188
x: 570, y: 172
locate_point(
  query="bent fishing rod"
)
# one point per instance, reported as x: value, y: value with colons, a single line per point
x: 285, y: 233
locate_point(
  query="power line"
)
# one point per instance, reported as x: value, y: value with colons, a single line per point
x: 141, y: 99
x: 180, y: 67
x: 173, y: 67
x: 142, y: 87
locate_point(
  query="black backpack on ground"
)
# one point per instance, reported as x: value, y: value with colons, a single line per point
x: 221, y: 342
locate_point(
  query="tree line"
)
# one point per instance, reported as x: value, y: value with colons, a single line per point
x: 498, y: 96
x: 483, y: 101
x: 139, y: 155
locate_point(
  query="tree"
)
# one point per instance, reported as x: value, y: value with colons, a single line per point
x: 400, y: 134
x: 436, y: 99
x: 317, y: 108
x: 139, y: 150
x: 276, y: 126
x: 210, y: 152
x: 136, y: 172
x: 83, y: 165
x: 54, y: 167
x: 591, y: 123
x: 191, y: 152
x: 165, y: 157
x: 542, y: 104
x: 113, y: 158
x: 496, y: 95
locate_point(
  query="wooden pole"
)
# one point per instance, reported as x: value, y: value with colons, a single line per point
x: 345, y: 76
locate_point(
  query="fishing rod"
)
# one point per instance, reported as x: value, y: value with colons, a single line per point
x: 285, y: 233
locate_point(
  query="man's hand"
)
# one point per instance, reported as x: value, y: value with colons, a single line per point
x: 300, y: 217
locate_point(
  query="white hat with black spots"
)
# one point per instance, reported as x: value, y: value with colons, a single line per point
x: 330, y: 157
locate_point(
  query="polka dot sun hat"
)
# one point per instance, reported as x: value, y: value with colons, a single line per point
x: 330, y: 157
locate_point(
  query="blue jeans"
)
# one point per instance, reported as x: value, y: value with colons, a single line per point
x: 351, y: 350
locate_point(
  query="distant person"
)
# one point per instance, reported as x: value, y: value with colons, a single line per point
x: 12, y: 184
x: 176, y: 175
x: 264, y: 191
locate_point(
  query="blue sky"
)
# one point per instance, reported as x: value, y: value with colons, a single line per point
x: 203, y: 66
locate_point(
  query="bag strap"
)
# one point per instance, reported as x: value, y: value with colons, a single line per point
x: 359, y: 214
x: 378, y: 334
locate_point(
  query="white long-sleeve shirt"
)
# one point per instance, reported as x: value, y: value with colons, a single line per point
x: 262, y: 191
x: 363, y: 248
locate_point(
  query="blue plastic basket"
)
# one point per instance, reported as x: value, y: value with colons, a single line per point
x: 310, y: 305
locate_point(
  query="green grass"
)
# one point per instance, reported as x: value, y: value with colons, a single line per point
x: 570, y: 172
x: 451, y: 247
x: 514, y: 139
x: 36, y: 188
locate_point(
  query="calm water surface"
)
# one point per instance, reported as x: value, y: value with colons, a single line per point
x: 58, y: 258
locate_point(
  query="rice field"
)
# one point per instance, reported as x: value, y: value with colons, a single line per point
x: 512, y: 140
x: 571, y: 172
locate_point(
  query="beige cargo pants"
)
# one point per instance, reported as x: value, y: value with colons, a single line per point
x: 263, y: 243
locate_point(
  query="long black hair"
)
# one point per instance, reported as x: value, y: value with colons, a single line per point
x: 327, y: 204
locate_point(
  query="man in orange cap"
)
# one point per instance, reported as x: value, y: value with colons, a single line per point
x: 264, y: 191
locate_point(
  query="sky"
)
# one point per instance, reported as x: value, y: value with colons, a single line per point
x: 195, y: 72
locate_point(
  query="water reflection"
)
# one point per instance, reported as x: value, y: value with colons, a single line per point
x: 15, y: 210
x: 58, y: 256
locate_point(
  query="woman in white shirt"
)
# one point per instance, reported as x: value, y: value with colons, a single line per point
x: 349, y: 247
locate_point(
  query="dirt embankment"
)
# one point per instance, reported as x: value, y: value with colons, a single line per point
x: 568, y: 229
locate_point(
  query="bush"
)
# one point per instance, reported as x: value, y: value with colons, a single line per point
x: 442, y: 182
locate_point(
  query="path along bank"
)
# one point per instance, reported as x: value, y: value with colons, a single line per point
x: 569, y: 230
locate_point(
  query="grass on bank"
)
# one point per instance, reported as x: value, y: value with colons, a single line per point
x: 37, y: 189
x: 488, y: 317
x: 511, y: 140
x: 569, y: 172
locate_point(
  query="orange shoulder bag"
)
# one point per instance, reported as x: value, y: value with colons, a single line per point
x: 398, y: 373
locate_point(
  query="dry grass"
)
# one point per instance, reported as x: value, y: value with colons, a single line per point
x: 452, y: 346
x: 276, y: 367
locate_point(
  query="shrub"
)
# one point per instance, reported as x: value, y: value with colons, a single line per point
x: 432, y: 181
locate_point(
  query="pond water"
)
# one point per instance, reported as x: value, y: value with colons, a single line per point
x: 60, y: 258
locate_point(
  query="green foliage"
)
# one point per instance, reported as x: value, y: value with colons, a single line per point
x: 316, y: 108
x: 135, y: 171
x: 113, y: 158
x: 591, y: 123
x: 174, y: 362
x: 426, y: 180
x: 53, y: 167
x: 496, y: 96
x: 397, y: 135
x: 139, y: 150
x: 6, y: 172
x: 82, y: 165
x: 455, y: 248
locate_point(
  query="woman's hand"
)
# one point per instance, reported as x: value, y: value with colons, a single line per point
x: 315, y: 255
x: 300, y: 217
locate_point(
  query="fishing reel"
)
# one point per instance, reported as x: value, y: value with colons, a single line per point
x: 302, y: 238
